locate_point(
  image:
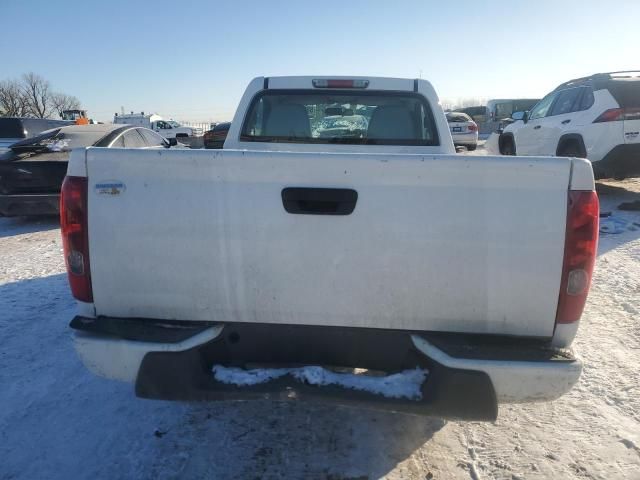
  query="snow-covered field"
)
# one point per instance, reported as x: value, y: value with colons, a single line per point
x: 57, y: 421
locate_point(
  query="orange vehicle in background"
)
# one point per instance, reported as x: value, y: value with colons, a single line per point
x: 79, y: 117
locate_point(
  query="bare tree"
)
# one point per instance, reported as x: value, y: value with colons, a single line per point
x: 62, y: 102
x: 32, y: 96
x: 13, y: 102
x: 37, y: 91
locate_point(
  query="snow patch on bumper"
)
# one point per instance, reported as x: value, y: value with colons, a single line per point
x: 406, y: 384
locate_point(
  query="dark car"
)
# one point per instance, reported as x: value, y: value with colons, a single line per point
x: 15, y: 129
x: 215, y: 137
x: 31, y: 172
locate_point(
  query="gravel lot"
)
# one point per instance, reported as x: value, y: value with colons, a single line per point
x: 59, y: 421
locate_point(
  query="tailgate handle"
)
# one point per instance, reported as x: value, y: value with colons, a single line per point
x: 319, y: 201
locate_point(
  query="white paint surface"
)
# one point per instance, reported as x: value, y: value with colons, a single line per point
x: 444, y: 242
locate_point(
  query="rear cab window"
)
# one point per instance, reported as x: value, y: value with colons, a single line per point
x: 345, y: 117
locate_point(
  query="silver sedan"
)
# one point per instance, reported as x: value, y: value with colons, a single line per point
x: 464, y: 130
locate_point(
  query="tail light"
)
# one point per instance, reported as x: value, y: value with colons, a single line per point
x: 580, y: 248
x: 472, y: 127
x: 339, y: 83
x: 75, y: 238
x: 617, y: 114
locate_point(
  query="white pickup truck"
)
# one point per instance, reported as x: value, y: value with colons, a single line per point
x: 269, y: 268
x: 166, y: 128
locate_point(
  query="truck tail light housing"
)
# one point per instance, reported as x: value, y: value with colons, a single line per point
x: 580, y: 249
x: 75, y: 238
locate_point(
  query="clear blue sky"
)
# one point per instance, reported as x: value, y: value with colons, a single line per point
x: 192, y: 60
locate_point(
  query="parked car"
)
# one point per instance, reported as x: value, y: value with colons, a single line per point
x: 15, y: 129
x: 166, y: 128
x: 464, y: 130
x: 288, y: 248
x: 215, y: 137
x: 595, y: 117
x: 31, y: 172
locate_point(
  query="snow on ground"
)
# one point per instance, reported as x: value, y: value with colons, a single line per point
x: 57, y: 421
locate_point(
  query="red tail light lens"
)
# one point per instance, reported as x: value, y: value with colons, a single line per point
x: 580, y: 249
x: 472, y: 127
x: 339, y: 83
x: 75, y: 238
x: 611, y: 115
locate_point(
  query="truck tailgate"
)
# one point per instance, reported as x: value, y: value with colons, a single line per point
x: 440, y: 243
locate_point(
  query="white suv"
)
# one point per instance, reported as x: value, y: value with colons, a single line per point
x: 596, y: 117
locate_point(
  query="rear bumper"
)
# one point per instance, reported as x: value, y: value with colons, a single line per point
x: 173, y: 360
x: 37, y: 204
x: 621, y: 161
x: 465, y: 138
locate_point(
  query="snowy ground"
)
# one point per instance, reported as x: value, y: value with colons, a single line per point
x: 57, y: 421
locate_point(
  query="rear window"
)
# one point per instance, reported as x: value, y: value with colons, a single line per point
x: 11, y: 128
x: 626, y: 91
x: 35, y: 126
x: 355, y: 118
x: 58, y: 140
x: 474, y: 111
x: 458, y: 118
